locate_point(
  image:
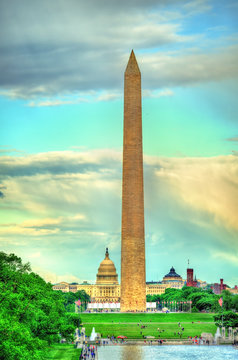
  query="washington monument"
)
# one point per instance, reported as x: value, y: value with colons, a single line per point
x: 133, y: 287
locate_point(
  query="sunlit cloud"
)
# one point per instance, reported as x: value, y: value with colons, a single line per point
x: 209, y: 185
x: 74, y: 203
x: 42, y: 227
x: 41, y: 222
x: 35, y: 255
x: 69, y: 174
x: 235, y: 138
x: 19, y: 230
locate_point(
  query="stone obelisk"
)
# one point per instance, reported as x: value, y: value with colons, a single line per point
x: 133, y: 291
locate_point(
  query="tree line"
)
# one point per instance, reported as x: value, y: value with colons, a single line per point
x: 32, y: 315
x: 202, y: 300
x: 69, y: 299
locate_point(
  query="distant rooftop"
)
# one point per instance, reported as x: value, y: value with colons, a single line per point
x: 85, y: 283
x: 172, y: 273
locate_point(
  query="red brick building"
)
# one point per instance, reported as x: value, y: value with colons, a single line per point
x: 190, y: 281
x: 218, y: 287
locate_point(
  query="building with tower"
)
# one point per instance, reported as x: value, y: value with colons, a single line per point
x: 218, y: 287
x: 189, y: 277
x: 190, y: 280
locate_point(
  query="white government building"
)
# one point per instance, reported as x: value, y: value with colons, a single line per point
x: 107, y: 290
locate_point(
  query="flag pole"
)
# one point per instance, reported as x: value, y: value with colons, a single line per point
x: 222, y: 312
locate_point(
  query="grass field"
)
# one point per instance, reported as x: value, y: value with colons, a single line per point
x: 63, y: 352
x: 164, y: 326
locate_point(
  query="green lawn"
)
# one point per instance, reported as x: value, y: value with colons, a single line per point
x: 127, y: 324
x: 63, y: 352
x: 147, y: 317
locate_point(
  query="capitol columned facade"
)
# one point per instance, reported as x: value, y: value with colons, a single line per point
x: 107, y: 287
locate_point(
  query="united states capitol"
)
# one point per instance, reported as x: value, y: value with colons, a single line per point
x: 107, y: 287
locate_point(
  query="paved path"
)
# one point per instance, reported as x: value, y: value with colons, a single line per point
x: 88, y: 353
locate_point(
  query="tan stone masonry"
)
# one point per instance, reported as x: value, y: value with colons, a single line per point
x: 133, y: 287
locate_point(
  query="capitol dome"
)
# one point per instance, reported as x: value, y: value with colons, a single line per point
x: 107, y: 272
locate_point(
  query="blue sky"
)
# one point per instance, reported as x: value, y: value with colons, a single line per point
x: 61, y: 123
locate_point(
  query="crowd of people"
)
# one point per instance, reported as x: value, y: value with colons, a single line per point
x: 89, y: 352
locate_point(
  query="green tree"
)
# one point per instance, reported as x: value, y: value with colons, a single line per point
x: 229, y: 319
x: 205, y: 303
x: 188, y: 291
x: 69, y: 299
x: 227, y: 300
x: 31, y: 313
x: 235, y: 302
x: 202, y: 299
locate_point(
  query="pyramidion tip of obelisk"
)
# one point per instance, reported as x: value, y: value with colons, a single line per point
x: 132, y: 66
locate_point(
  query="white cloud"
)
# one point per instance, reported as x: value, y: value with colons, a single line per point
x: 155, y: 239
x: 108, y: 96
x: 55, y: 278
x: 190, y: 67
x: 85, y: 98
x: 35, y: 255
x: 91, y: 51
x: 55, y: 102
x: 228, y: 257
x: 158, y: 94
x: 197, y: 6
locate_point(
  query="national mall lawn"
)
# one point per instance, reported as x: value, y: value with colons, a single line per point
x: 62, y: 352
x: 153, y: 324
